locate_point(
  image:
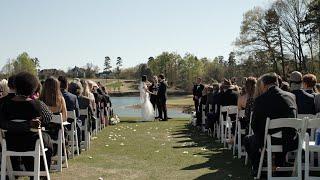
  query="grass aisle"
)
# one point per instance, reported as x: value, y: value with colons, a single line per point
x: 154, y: 150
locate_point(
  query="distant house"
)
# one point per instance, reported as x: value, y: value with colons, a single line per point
x: 77, y: 72
x: 44, y: 73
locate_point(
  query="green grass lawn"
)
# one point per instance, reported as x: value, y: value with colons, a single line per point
x: 154, y: 150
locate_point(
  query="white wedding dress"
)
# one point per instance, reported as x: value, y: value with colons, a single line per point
x: 147, y: 110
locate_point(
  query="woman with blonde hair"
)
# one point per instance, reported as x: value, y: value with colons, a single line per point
x: 4, y: 89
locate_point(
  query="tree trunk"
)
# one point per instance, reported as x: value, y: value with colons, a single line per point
x: 282, y: 55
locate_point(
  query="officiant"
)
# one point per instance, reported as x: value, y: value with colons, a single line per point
x: 153, y: 88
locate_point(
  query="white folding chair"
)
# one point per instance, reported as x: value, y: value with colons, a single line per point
x: 210, y: 131
x: 84, y: 128
x: 39, y: 150
x: 216, y: 125
x: 73, y: 134
x: 311, y: 136
x: 203, y: 118
x: 102, y: 116
x: 249, y: 133
x: 61, y: 157
x: 309, y: 146
x: 223, y: 109
x: 227, y: 123
x: 295, y: 123
x: 238, y: 135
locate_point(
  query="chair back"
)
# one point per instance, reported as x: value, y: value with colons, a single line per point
x: 241, y: 114
x: 71, y: 115
x: 57, y: 118
x: 309, y: 116
x: 298, y: 124
x: 83, y: 112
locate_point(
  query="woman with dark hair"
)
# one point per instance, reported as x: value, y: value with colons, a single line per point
x: 36, y: 113
x: 250, y: 87
x: 147, y: 110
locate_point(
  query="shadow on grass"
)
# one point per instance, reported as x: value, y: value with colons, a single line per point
x: 219, y: 159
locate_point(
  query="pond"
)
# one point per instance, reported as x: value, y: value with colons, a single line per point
x: 121, y: 106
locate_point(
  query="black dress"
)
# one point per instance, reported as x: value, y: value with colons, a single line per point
x: 20, y: 138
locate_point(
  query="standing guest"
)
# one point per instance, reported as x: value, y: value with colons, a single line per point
x: 153, y: 88
x: 18, y: 135
x: 162, y: 97
x: 272, y: 103
x: 305, y: 101
x: 197, y: 93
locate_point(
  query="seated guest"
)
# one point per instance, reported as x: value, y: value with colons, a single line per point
x: 18, y: 135
x: 11, y: 93
x: 52, y: 97
x: 318, y: 87
x: 258, y: 89
x: 242, y: 100
x: 87, y: 93
x: 309, y: 82
x: 305, y: 101
x: 229, y: 96
x: 250, y: 86
x: 309, y: 85
x: 285, y: 86
x: 272, y: 103
x: 84, y: 103
x: 71, y: 101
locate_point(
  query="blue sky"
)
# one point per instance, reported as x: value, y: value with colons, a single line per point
x: 65, y: 33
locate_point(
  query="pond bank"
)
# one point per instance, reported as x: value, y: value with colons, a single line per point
x: 137, y: 93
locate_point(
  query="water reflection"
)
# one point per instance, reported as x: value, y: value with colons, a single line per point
x: 121, y: 107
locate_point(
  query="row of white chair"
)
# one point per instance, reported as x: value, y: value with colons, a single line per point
x: 61, y: 157
x: 222, y: 130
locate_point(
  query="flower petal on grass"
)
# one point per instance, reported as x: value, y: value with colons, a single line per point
x: 185, y: 152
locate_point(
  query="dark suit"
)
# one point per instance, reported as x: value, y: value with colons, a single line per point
x: 73, y: 105
x: 305, y: 102
x: 275, y: 103
x: 153, y: 98
x: 197, y: 94
x: 162, y: 98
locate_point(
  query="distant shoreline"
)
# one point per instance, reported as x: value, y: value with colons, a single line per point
x: 137, y: 93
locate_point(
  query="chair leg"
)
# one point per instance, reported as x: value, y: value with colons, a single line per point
x: 269, y: 157
x: 76, y: 138
x: 36, y: 166
x: 261, y: 163
x: 235, y: 140
x: 306, y: 170
x: 3, y: 166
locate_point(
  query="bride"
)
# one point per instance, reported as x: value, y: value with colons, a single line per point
x: 146, y: 106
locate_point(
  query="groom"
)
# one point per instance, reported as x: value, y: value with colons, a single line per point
x: 162, y: 98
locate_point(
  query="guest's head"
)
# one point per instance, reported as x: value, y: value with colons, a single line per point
x: 144, y: 78
x: 258, y: 89
x: 161, y: 77
x: 250, y: 86
x: 85, y: 88
x: 4, y: 89
x: 318, y: 87
x: 51, y: 92
x: 216, y: 87
x: 285, y: 86
x: 210, y: 89
x: 199, y: 80
x: 63, y: 82
x: 309, y: 81
x: 279, y: 80
x: 36, y: 94
x: 295, y: 80
x: 11, y: 85
x: 104, y: 89
x: 75, y: 88
x: 155, y: 79
x: 268, y: 80
x: 26, y: 84
x: 227, y: 84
